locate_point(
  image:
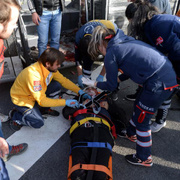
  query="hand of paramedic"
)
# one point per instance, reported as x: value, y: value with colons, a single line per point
x: 72, y: 103
x: 85, y: 95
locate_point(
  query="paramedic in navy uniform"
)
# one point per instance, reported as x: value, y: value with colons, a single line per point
x: 83, y: 59
x: 163, y: 32
x: 144, y: 65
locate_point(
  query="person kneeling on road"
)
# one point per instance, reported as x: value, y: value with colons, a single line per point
x: 36, y: 88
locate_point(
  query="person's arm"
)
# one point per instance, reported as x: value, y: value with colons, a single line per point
x: 35, y: 85
x: 101, y: 75
x: 77, y: 57
x: 31, y: 6
x: 4, y: 148
x: 103, y: 71
x: 122, y: 77
x: 66, y: 83
x: 111, y: 73
x: 35, y: 17
x: 79, y: 69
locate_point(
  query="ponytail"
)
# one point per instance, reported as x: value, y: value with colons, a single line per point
x: 100, y: 36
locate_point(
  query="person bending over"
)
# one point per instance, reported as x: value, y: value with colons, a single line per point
x: 83, y: 59
x: 154, y: 71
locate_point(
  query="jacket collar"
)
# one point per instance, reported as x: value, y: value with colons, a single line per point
x: 46, y: 74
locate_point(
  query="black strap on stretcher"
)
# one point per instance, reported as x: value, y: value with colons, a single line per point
x: 97, y: 98
x: 94, y: 150
x: 94, y: 101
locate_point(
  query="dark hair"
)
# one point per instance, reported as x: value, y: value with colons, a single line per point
x: 84, y: 43
x: 145, y: 11
x: 5, y: 10
x: 130, y: 10
x: 51, y: 55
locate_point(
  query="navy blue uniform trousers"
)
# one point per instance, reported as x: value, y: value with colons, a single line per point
x: 32, y: 117
x: 148, y: 101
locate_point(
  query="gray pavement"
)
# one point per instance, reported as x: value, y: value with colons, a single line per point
x: 53, y: 165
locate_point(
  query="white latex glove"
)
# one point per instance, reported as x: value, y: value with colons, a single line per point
x: 88, y: 82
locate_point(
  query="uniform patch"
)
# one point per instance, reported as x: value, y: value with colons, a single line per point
x: 159, y: 40
x: 88, y: 29
x: 36, y: 83
x: 37, y: 86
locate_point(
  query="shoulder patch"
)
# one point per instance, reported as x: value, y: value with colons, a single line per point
x: 37, y: 86
x: 36, y: 83
x: 159, y: 40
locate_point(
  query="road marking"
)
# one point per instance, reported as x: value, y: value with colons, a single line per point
x: 39, y: 141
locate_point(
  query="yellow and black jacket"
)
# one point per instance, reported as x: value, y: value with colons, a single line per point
x: 31, y: 84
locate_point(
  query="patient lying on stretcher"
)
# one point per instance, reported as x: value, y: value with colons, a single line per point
x: 92, y: 135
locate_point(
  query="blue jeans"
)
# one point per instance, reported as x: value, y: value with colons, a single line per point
x: 3, y: 171
x: 32, y: 117
x: 50, y: 20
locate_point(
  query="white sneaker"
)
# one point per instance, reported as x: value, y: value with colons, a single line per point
x: 157, y: 127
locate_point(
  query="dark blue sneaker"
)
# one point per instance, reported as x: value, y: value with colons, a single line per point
x: 132, y: 159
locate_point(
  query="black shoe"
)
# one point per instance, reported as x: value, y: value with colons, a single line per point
x: 114, y: 95
x: 122, y: 133
x: 49, y: 112
x: 11, y: 113
x: 14, y: 125
x: 132, y: 159
x: 131, y: 97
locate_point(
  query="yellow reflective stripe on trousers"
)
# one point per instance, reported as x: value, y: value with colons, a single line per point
x: 79, y: 123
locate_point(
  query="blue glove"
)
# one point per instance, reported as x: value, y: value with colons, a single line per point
x: 80, y: 81
x: 72, y: 103
x: 100, y: 78
x: 85, y: 95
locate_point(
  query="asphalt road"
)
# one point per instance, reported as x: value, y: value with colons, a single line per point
x: 53, y: 164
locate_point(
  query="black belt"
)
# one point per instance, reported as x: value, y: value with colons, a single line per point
x: 50, y: 8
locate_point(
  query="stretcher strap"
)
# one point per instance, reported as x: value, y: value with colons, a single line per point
x: 80, y: 111
x: 91, y: 145
x: 89, y: 111
x: 70, y: 167
x: 97, y: 98
x: 94, y: 150
x: 90, y: 167
x: 81, y: 122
